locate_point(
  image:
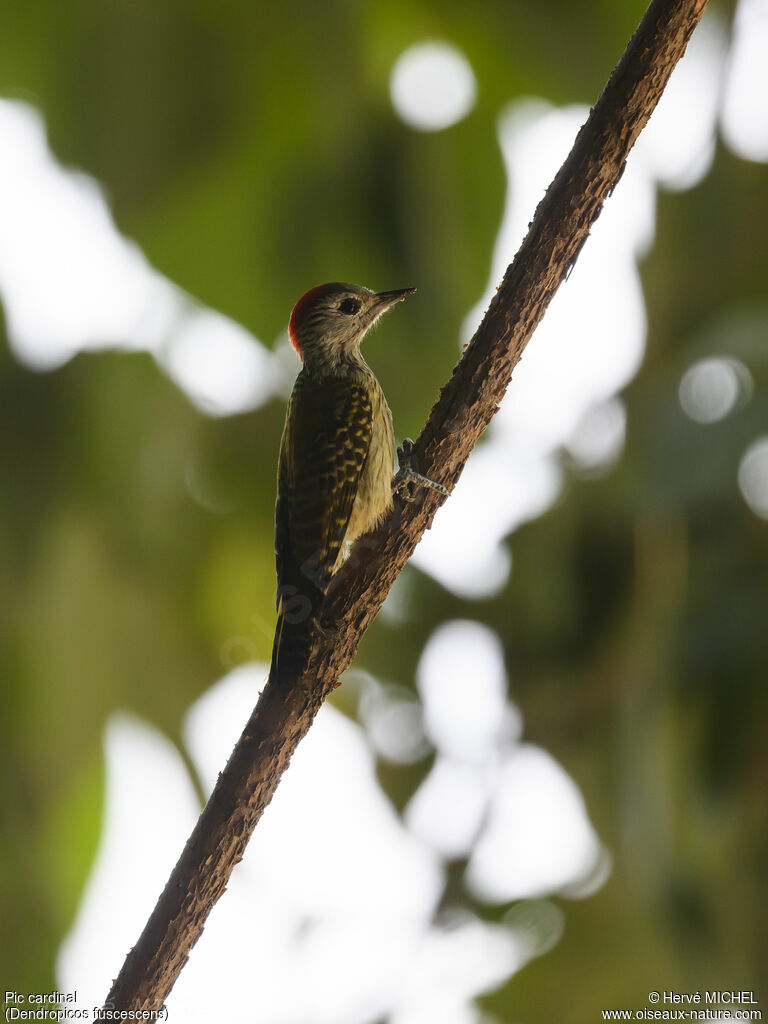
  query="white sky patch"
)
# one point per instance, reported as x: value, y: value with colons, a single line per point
x: 500, y: 488
x: 588, y: 346
x: 329, y: 917
x: 445, y: 970
x: 149, y: 812
x: 678, y: 143
x: 330, y: 789
x: 712, y: 387
x: 70, y: 281
x: 463, y: 686
x: 753, y: 477
x: 448, y: 808
x: 538, y: 839
x: 432, y: 86
x: 508, y: 807
x: 221, y: 367
x: 745, y: 105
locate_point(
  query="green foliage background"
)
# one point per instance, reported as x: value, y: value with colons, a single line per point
x: 252, y: 151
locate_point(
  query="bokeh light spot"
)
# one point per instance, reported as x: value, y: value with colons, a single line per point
x: 537, y: 925
x: 711, y: 388
x: 598, y: 440
x: 393, y: 721
x: 539, y: 839
x: 753, y: 477
x: 447, y: 809
x: 432, y: 86
x: 222, y: 368
x: 463, y: 685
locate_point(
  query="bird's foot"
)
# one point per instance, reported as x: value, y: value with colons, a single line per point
x: 408, y: 474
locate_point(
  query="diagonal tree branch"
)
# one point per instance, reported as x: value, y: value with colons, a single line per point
x: 466, y: 405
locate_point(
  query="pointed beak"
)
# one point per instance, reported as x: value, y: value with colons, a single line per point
x: 385, y: 300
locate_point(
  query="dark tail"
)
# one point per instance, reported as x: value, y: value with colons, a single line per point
x: 293, y: 635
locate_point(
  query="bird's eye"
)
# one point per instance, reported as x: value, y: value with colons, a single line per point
x: 349, y: 306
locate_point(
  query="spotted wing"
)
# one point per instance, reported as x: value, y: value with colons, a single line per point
x: 325, y: 445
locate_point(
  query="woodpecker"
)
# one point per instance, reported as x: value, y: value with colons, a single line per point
x: 334, y: 477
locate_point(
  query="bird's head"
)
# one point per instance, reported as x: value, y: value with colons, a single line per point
x: 329, y: 322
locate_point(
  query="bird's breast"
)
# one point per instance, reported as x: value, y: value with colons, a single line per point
x: 374, y: 493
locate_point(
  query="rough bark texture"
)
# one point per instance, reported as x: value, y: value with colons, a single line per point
x: 466, y: 404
